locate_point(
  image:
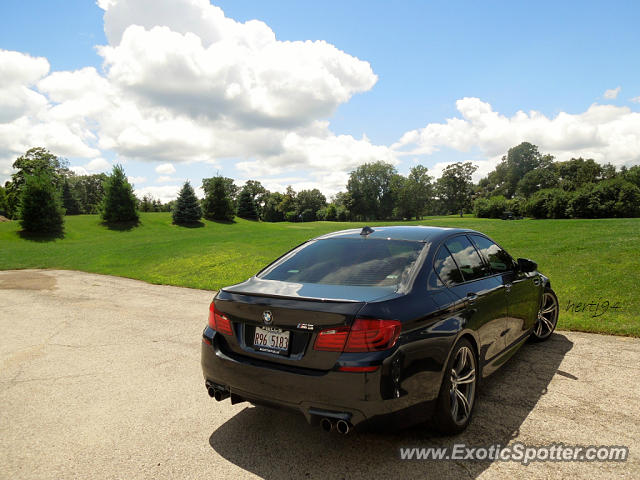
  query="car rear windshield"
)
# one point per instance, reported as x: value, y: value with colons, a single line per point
x: 347, y: 261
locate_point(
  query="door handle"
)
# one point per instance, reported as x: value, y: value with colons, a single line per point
x: 471, y: 298
x: 507, y: 287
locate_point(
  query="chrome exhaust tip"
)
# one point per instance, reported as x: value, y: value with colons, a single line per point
x: 326, y: 424
x: 343, y: 427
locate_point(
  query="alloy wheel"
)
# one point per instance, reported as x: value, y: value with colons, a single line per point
x: 463, y: 385
x: 547, y: 316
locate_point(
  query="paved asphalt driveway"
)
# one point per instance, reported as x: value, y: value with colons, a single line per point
x: 100, y: 378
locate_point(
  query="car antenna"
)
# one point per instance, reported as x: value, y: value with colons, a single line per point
x: 366, y: 231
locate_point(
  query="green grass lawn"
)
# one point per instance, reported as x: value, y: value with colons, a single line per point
x: 587, y: 260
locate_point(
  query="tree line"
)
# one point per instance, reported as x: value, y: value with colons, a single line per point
x: 529, y: 183
x: 374, y: 191
x: 43, y: 190
x: 526, y: 182
x: 80, y: 194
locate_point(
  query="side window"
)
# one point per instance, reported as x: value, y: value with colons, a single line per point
x: 499, y: 260
x: 467, y: 258
x: 446, y: 268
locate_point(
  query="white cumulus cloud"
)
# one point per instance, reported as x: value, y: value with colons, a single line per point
x: 27, y: 117
x: 21, y: 69
x: 166, y: 169
x: 167, y: 179
x: 137, y: 180
x: 96, y: 165
x: 605, y: 133
x: 182, y: 83
x: 185, y: 83
x: 164, y: 193
x: 188, y: 58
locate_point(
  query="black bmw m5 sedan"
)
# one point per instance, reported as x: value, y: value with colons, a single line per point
x: 390, y: 325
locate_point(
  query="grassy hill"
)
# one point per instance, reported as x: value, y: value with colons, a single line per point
x: 587, y: 260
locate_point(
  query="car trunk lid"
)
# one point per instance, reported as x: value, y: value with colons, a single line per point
x: 263, y: 306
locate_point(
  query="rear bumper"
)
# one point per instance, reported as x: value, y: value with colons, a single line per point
x: 360, y: 398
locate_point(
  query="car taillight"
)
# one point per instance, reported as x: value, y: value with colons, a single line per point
x: 331, y: 339
x: 218, y: 321
x: 363, y: 336
x: 372, y: 335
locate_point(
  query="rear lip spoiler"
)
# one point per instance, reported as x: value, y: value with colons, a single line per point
x: 306, y: 299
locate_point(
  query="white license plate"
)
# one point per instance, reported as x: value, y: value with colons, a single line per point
x: 270, y: 339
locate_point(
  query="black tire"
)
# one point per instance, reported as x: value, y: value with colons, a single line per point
x: 547, y: 316
x: 450, y: 418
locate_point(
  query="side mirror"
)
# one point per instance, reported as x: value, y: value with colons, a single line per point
x: 526, y: 265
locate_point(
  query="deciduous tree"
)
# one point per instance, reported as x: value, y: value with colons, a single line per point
x: 455, y: 186
x: 312, y: 200
x: 370, y: 189
x: 217, y: 204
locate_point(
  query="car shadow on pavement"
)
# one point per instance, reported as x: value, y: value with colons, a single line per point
x: 276, y: 444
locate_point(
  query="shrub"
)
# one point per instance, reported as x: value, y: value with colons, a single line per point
x: 40, y: 206
x: 493, y: 207
x: 516, y: 205
x: 481, y: 207
x: 628, y: 202
x: 119, y: 202
x: 536, y: 206
x: 186, y: 210
x: 321, y: 214
x: 342, y: 214
x: 291, y: 216
x: 581, y: 205
x: 609, y: 198
x: 557, y: 203
x: 331, y: 213
x: 549, y: 203
x: 308, y: 215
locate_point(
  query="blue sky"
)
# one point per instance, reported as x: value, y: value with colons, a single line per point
x: 554, y: 58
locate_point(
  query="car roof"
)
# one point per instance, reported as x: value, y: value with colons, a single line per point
x: 417, y: 233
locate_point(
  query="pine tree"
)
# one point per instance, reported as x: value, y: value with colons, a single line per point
x: 217, y: 204
x: 40, y: 205
x: 187, y: 209
x: 246, y: 206
x: 69, y: 200
x: 119, y: 202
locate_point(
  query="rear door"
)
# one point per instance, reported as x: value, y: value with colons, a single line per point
x: 485, y: 294
x: 521, y: 290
